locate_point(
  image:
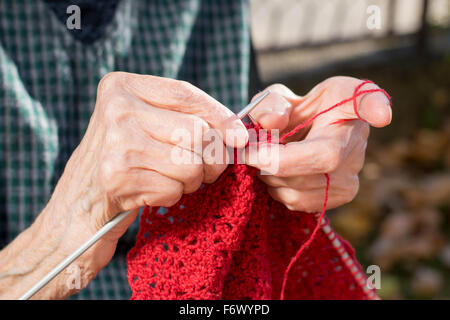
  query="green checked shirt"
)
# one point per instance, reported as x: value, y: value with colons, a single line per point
x: 48, y: 88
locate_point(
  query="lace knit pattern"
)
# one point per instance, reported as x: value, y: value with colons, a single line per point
x: 230, y: 240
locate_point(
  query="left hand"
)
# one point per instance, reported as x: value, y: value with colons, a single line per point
x: 337, y: 149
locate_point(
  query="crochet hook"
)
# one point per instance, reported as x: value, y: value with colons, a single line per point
x: 107, y: 227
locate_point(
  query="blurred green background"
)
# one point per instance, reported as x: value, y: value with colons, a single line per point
x: 400, y: 219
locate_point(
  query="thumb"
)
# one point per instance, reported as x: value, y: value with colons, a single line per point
x: 375, y: 108
x: 274, y: 111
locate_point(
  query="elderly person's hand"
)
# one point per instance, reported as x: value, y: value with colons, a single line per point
x: 125, y: 161
x: 336, y: 149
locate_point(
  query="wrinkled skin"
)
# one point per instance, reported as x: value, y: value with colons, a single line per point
x: 337, y: 149
x: 124, y: 162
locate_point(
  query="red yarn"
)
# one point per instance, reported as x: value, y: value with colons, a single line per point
x: 231, y: 240
x: 308, y: 242
x: 356, y: 94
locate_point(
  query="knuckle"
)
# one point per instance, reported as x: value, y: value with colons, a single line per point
x: 283, y: 163
x: 110, y: 81
x: 279, y: 89
x: 341, y: 80
x: 147, y: 200
x: 353, y: 189
x: 292, y: 207
x: 193, y: 122
x: 331, y: 163
x: 286, y: 197
x: 334, y: 157
x: 283, y: 91
x: 109, y: 169
x: 308, y: 206
x: 185, y: 85
x: 115, y: 109
x: 113, y: 138
x: 114, y: 103
x: 276, y: 86
x: 174, y: 195
x: 272, y: 181
x: 117, y: 101
x: 124, y: 157
x: 212, y: 172
x: 182, y: 90
x: 194, y: 173
x: 289, y: 196
x: 339, y: 85
x: 350, y: 191
x: 168, y: 193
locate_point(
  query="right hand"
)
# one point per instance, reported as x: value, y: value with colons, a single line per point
x: 124, y: 161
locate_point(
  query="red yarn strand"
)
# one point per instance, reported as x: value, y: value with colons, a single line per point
x: 225, y: 251
x: 311, y: 238
x: 356, y: 94
x: 353, y: 98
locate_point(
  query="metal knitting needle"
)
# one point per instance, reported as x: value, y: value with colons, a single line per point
x: 249, y: 108
x: 107, y: 227
x: 84, y: 247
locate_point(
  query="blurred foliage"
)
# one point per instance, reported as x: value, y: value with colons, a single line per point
x: 400, y: 219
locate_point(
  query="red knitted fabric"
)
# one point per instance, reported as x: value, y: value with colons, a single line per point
x: 231, y: 240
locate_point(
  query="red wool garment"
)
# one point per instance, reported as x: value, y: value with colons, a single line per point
x: 231, y: 240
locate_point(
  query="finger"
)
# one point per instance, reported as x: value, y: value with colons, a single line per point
x: 372, y: 106
x: 307, y: 157
x: 274, y: 110
x: 179, y: 129
x: 183, y: 97
x: 375, y: 108
x: 354, y: 160
x: 322, y: 151
x: 298, y: 182
x: 344, y: 175
x: 294, y: 200
x: 149, y: 188
x: 139, y: 187
x: 171, y: 161
x: 214, y: 155
x: 305, y: 108
x: 176, y: 128
x: 297, y: 201
x: 193, y: 134
x: 312, y: 200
